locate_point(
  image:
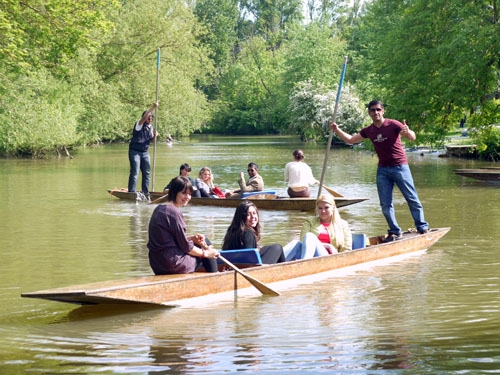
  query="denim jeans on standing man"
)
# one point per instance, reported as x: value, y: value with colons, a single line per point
x: 401, y: 176
x: 139, y: 160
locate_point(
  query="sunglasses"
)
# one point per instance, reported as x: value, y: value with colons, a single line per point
x: 250, y: 170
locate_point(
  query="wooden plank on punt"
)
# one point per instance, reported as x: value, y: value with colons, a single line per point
x: 167, y: 289
x: 269, y: 202
x: 485, y: 174
x: 124, y: 194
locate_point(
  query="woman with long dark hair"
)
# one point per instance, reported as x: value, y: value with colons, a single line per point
x: 245, y: 231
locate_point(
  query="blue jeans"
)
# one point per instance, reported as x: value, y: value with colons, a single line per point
x: 139, y: 160
x: 401, y: 176
x: 310, y: 247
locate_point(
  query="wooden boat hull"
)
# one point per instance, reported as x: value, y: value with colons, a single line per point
x: 264, y: 203
x: 125, y: 195
x: 484, y: 174
x: 169, y: 289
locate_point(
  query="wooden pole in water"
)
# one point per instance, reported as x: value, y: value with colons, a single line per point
x: 156, y: 116
x: 328, y: 145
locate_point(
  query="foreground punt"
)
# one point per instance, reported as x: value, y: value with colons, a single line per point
x: 166, y: 290
x: 485, y: 174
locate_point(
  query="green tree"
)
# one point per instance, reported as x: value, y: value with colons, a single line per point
x: 249, y: 92
x: 128, y: 62
x: 48, y: 33
x: 431, y: 61
x: 271, y: 18
x: 39, y: 115
x: 314, y: 53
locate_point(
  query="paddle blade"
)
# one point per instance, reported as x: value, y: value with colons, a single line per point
x: 263, y: 288
x: 333, y: 192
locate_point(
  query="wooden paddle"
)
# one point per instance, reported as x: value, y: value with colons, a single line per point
x: 333, y: 192
x: 162, y: 199
x: 263, y: 288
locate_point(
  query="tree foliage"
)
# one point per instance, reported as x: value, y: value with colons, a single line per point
x: 48, y: 33
x: 431, y: 61
x: 80, y: 73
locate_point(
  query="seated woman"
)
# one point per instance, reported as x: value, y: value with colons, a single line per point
x: 244, y: 233
x: 171, y: 251
x: 205, y: 183
x: 321, y: 235
x: 184, y: 171
x: 298, y: 176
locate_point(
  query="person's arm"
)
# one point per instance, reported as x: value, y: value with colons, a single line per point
x: 202, y: 250
x: 347, y: 237
x: 147, y: 113
x: 407, y: 133
x: 306, y: 228
x: 347, y: 138
x: 254, y: 184
x: 248, y: 240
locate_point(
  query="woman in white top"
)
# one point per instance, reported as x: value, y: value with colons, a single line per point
x: 299, y: 176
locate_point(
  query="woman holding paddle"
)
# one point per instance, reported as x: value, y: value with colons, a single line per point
x: 245, y: 231
x: 171, y: 251
x: 321, y: 235
x: 299, y: 176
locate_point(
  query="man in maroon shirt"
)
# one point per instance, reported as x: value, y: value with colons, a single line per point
x: 393, y: 168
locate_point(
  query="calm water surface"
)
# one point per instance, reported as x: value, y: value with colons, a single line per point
x: 432, y: 313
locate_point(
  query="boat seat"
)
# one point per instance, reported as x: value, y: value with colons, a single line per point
x: 242, y: 258
x: 250, y: 193
x: 359, y: 241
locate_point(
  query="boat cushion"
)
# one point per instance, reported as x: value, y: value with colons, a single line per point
x: 250, y: 193
x: 358, y: 241
x: 242, y: 257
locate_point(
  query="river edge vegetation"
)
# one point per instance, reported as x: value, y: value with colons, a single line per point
x: 76, y: 74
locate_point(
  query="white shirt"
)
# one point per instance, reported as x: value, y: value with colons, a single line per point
x: 299, y: 174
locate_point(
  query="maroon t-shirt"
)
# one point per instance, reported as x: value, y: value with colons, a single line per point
x: 387, y: 142
x: 168, y: 245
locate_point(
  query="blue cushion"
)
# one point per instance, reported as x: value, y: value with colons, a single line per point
x: 250, y: 193
x: 241, y: 256
x: 358, y: 241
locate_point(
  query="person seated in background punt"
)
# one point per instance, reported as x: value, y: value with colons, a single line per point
x: 184, y: 171
x: 254, y: 183
x: 324, y: 234
x: 205, y: 183
x: 245, y: 232
x: 299, y: 176
x: 171, y: 251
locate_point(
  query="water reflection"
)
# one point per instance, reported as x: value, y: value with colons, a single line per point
x: 437, y: 312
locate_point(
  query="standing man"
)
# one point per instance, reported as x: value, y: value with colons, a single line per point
x: 138, y: 154
x: 393, y: 168
x: 254, y: 183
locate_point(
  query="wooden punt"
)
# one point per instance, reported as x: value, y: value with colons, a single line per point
x: 262, y: 201
x: 126, y: 195
x: 169, y: 290
x: 268, y: 202
x: 485, y: 174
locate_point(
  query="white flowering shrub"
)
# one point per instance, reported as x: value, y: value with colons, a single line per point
x: 312, y: 108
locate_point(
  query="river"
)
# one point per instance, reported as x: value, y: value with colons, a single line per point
x: 431, y: 313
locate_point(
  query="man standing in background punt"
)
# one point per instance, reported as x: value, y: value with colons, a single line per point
x: 393, y: 168
x: 138, y: 154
